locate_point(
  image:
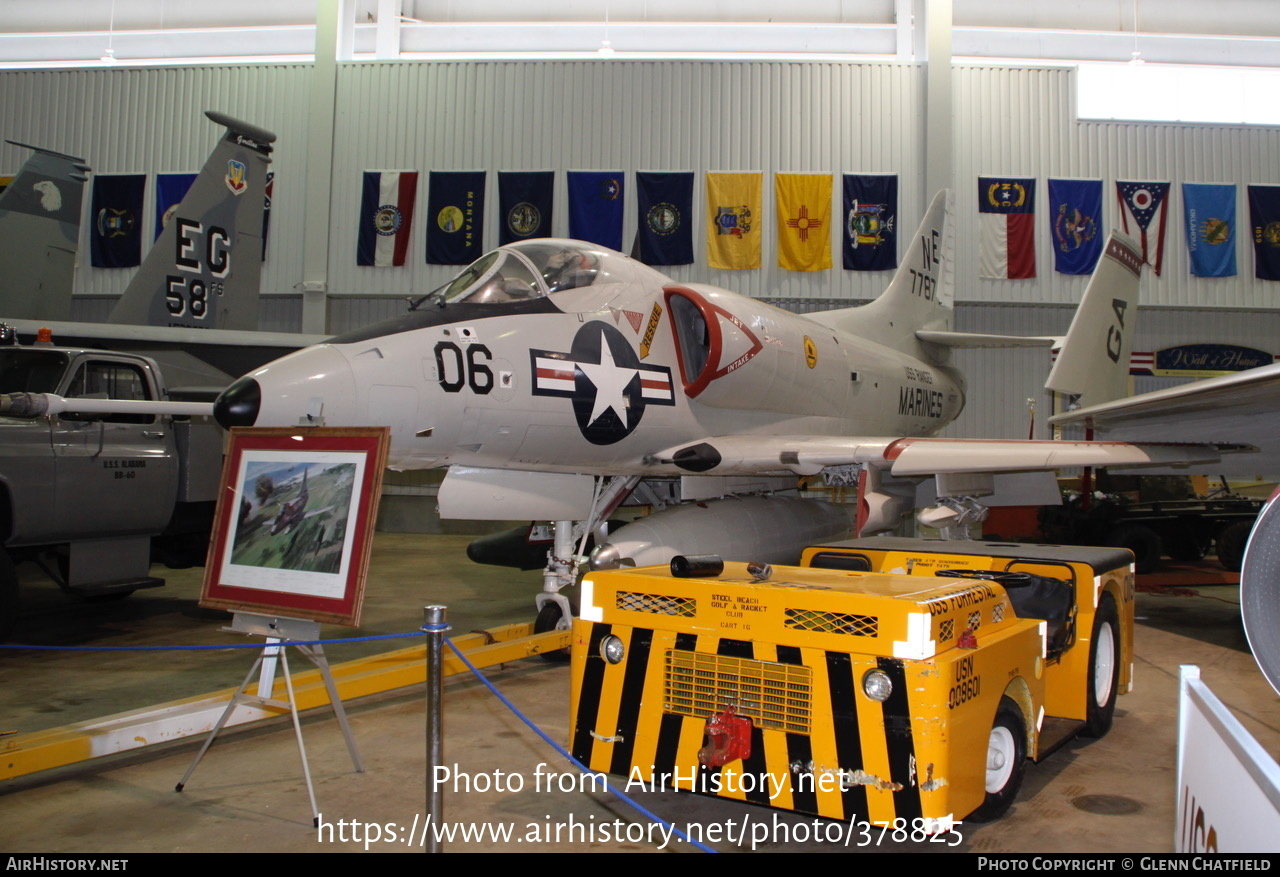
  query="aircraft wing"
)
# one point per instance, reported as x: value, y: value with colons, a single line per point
x: 809, y: 455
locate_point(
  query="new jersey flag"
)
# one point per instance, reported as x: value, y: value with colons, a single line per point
x: 803, y: 203
x: 1006, y: 227
x: 1209, y: 216
x: 734, y: 211
x: 595, y: 207
x: 115, y: 238
x: 524, y: 205
x: 870, y: 217
x: 386, y: 213
x: 1264, y: 219
x: 664, y: 214
x: 455, y: 217
x: 1075, y: 214
x: 1143, y: 214
x: 170, y: 190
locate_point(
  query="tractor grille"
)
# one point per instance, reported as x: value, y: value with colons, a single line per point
x: 776, y: 696
x: 656, y: 604
x: 833, y: 622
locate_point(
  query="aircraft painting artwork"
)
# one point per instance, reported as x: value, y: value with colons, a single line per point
x: 552, y: 376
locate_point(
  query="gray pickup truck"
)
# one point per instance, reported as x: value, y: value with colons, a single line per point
x: 92, y: 498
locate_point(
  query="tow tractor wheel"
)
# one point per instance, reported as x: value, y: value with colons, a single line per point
x: 550, y: 617
x: 1104, y: 669
x: 1006, y: 761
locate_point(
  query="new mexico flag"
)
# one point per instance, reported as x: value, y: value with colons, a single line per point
x: 804, y: 221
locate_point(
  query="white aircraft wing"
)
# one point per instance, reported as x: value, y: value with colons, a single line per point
x: 808, y: 455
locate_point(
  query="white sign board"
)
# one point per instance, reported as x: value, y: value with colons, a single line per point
x: 1228, y: 786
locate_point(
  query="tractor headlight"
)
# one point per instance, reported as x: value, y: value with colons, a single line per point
x: 877, y: 685
x: 612, y: 649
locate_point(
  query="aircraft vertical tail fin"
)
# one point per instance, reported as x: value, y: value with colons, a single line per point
x: 39, y: 235
x: 1094, y: 360
x: 204, y: 270
x: 922, y: 292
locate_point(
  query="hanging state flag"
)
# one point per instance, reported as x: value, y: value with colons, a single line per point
x: 1143, y: 215
x: 1264, y: 219
x: 595, y: 207
x: 664, y: 210
x: 115, y: 240
x: 870, y: 202
x: 1209, y: 216
x: 455, y: 217
x: 170, y: 190
x: 269, y: 190
x: 524, y: 203
x: 734, y: 211
x: 1006, y: 228
x: 803, y: 204
x: 1075, y: 216
x: 386, y: 214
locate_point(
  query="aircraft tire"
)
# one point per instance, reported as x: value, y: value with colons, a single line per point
x: 1006, y: 761
x: 9, y: 599
x: 1142, y: 541
x: 1104, y: 669
x: 1231, y: 543
x: 551, y: 618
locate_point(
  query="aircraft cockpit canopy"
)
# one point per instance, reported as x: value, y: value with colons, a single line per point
x: 529, y: 270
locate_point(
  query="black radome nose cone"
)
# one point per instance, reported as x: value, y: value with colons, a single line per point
x: 238, y: 404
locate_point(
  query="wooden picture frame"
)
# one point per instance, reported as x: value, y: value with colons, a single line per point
x: 294, y: 522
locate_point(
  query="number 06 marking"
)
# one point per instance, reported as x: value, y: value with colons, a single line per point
x: 456, y: 370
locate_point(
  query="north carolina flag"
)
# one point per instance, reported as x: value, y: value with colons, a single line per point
x: 664, y: 217
x: 170, y: 190
x: 386, y: 213
x: 115, y: 215
x: 1264, y: 218
x: 1006, y: 228
x: 1075, y: 216
x: 734, y: 210
x: 595, y: 207
x: 1143, y: 215
x: 803, y: 203
x: 1209, y: 216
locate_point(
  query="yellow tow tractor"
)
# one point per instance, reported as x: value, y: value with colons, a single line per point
x: 883, y: 679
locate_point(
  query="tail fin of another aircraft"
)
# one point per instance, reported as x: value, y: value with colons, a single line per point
x: 922, y: 292
x: 1094, y: 360
x: 204, y: 270
x: 39, y: 234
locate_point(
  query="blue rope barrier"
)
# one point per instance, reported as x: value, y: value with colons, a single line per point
x: 639, y: 808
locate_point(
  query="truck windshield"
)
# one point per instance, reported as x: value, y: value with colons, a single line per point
x: 31, y: 371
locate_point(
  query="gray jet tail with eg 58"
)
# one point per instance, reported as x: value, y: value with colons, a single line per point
x: 554, y: 378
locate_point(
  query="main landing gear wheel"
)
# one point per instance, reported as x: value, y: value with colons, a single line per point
x: 1006, y: 761
x: 551, y: 617
x: 1104, y: 669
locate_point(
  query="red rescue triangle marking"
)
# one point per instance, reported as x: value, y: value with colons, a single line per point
x: 633, y: 318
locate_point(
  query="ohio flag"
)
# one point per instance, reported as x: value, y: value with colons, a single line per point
x: 386, y: 211
x: 1143, y: 215
x: 1006, y: 227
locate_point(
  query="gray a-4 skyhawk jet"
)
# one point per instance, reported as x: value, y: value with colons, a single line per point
x: 552, y: 377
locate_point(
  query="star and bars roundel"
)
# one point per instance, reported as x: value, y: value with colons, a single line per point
x: 608, y: 384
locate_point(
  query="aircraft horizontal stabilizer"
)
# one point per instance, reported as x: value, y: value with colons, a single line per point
x: 978, y: 339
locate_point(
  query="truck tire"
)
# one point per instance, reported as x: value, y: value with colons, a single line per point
x: 1187, y: 541
x: 8, y: 596
x: 1231, y: 542
x: 1104, y: 669
x: 1006, y: 761
x: 1142, y: 541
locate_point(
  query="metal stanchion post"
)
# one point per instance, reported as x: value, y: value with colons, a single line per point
x: 434, y: 623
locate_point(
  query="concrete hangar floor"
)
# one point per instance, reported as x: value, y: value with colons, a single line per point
x: 1116, y: 794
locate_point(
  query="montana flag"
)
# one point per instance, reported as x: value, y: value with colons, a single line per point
x: 803, y: 203
x: 1264, y: 219
x: 734, y: 210
x: 115, y: 236
x: 524, y: 205
x: 664, y: 210
x: 595, y: 207
x: 870, y: 242
x: 1075, y: 220
x: 1006, y: 228
x: 1143, y: 214
x: 455, y: 217
x: 170, y: 190
x: 1209, y: 216
x: 386, y: 214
